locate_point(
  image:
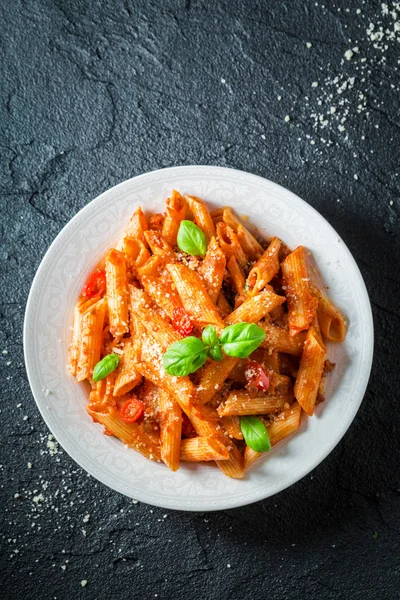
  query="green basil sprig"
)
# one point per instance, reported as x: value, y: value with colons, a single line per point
x: 189, y: 354
x: 105, y: 366
x: 185, y: 356
x: 241, y: 339
x: 191, y: 239
x: 255, y: 434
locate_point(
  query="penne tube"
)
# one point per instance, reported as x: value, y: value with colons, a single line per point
x: 200, y: 449
x: 151, y: 367
x: 237, y: 275
x: 170, y: 430
x: 90, y: 339
x: 229, y: 243
x: 240, y: 403
x: 151, y: 268
x: 156, y: 222
x: 234, y: 466
x: 223, y: 306
x: 163, y: 292
x: 137, y: 225
x: 212, y: 269
x: 194, y: 296
x: 102, y: 393
x: 265, y: 268
x: 205, y: 421
x: 310, y: 372
x: 201, y: 216
x: 127, y: 376
x: 158, y: 245
x: 213, y: 378
x: 302, y: 305
x: 331, y: 322
x: 284, y: 424
x: 131, y: 434
x: 175, y: 213
x: 251, y: 247
x: 281, y: 427
x: 117, y: 293
x: 255, y: 308
x: 136, y: 253
x: 73, y: 350
x: 279, y: 339
x: 232, y: 427
x: 142, y: 307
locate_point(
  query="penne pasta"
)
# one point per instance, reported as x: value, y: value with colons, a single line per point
x: 131, y: 434
x: 158, y: 245
x: 151, y: 367
x: 200, y: 449
x: 280, y: 340
x: 90, y: 339
x: 117, y: 293
x: 234, y: 466
x: 170, y: 430
x: 136, y: 253
x: 143, y: 309
x: 310, y: 372
x: 232, y: 427
x: 250, y: 245
x: 127, y: 376
x: 175, y: 213
x: 201, y: 216
x: 212, y: 269
x: 137, y: 225
x: 223, y: 306
x: 255, y: 308
x: 229, y: 243
x: 163, y: 292
x: 265, y: 268
x: 73, y: 350
x: 331, y: 322
x: 281, y: 427
x: 240, y: 403
x: 213, y: 378
x: 302, y: 305
x: 237, y: 275
x: 195, y: 298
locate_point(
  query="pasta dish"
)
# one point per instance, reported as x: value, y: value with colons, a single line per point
x: 201, y: 341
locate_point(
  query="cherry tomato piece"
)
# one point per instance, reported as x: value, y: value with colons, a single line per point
x: 95, y: 284
x: 181, y: 322
x: 132, y: 410
x: 256, y: 376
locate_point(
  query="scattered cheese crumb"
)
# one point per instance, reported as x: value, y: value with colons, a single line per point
x: 287, y: 119
x: 29, y: 465
x: 309, y: 44
x: 86, y: 518
x: 349, y: 54
x: 314, y: 84
x: 84, y: 582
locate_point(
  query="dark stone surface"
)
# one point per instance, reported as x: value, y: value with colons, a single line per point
x: 95, y: 92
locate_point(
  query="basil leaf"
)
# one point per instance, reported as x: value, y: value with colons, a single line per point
x: 210, y: 336
x: 241, y: 339
x: 185, y: 356
x: 255, y: 434
x: 191, y: 239
x: 215, y: 352
x: 105, y: 366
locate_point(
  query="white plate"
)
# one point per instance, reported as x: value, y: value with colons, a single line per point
x: 55, y: 289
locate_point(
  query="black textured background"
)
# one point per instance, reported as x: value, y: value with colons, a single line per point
x: 95, y: 92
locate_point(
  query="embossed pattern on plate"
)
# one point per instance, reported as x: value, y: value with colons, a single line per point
x: 77, y: 249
